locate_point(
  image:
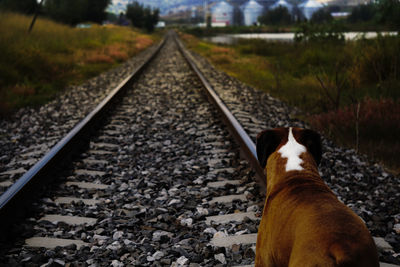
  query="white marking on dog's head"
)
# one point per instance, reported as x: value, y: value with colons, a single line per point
x: 292, y: 151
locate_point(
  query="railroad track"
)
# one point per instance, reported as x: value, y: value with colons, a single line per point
x: 161, y: 182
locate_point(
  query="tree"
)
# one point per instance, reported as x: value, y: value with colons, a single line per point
x: 388, y: 13
x: 151, y: 19
x: 95, y: 10
x: 66, y: 11
x: 362, y: 13
x: 321, y: 16
x: 142, y: 17
x: 135, y: 13
x: 22, y: 6
x: 76, y: 11
x: 277, y: 16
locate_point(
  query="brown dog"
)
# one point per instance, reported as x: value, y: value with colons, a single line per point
x: 303, y: 223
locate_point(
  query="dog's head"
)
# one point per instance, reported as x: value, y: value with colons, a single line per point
x: 291, y: 143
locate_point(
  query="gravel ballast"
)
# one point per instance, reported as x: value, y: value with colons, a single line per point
x: 28, y: 134
x: 152, y: 210
x: 170, y: 144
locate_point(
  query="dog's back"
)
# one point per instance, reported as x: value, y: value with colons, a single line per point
x: 303, y: 223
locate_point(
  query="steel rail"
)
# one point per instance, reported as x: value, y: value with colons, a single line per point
x: 15, y: 202
x: 247, y: 146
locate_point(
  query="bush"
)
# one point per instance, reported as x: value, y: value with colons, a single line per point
x: 378, y: 58
x: 321, y: 16
x: 277, y: 16
x: 374, y: 131
x: 382, y: 12
x: 362, y: 13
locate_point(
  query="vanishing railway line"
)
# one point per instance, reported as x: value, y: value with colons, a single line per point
x: 156, y: 178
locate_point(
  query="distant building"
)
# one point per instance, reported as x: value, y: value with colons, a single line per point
x: 160, y: 24
x: 251, y: 11
x: 222, y: 13
x: 282, y: 3
x: 310, y: 7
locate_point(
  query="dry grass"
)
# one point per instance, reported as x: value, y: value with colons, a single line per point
x: 374, y: 131
x: 142, y: 42
x: 95, y: 58
x: 34, y: 67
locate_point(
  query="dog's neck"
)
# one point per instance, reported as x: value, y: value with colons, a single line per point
x: 279, y: 173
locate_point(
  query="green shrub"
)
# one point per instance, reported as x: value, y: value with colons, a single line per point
x: 277, y: 16
x: 322, y: 15
x: 362, y: 13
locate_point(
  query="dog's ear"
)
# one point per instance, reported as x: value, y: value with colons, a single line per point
x: 267, y: 143
x: 312, y: 141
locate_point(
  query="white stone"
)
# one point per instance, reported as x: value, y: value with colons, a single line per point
x: 6, y: 184
x: 220, y: 184
x: 123, y: 187
x: 117, y: 235
x: 14, y: 172
x: 127, y: 242
x: 116, y: 263
x: 94, y: 248
x: 174, y: 201
x: 69, y: 200
x: 158, y: 255
x: 100, y: 237
x: 227, y: 199
x: 396, y: 228
x: 241, y: 232
x: 182, y: 260
x: 382, y: 244
x: 188, y: 222
x: 199, y: 180
x: 228, y: 241
x: 220, y: 257
x: 158, y: 234
x: 87, y: 185
x: 114, y: 246
x: 382, y: 264
x: 237, y: 217
x: 60, y: 262
x: 220, y: 235
x: 202, y: 211
x: 58, y: 233
x: 172, y: 191
x: 252, y: 208
x: 210, y: 230
x: 84, y: 172
x: 51, y: 243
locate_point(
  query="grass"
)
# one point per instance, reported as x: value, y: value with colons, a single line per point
x: 328, y: 82
x: 35, y: 67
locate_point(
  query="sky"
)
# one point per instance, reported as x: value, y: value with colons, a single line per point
x: 119, y: 5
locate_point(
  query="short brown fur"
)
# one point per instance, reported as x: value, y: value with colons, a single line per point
x: 303, y: 222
